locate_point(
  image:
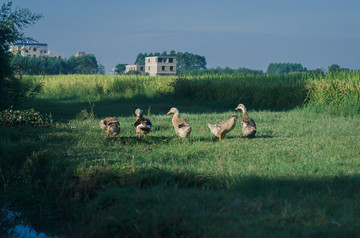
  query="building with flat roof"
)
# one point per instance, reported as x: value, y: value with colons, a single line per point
x: 134, y: 67
x: 34, y: 49
x: 160, y: 65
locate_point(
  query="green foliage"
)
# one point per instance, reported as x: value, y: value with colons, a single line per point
x: 120, y: 68
x: 24, y: 118
x: 186, y: 61
x: 219, y: 71
x: 133, y: 72
x: 39, y: 65
x: 285, y: 68
x: 20, y: 91
x: 12, y: 22
x: 336, y: 68
x: 86, y: 64
x: 101, y: 69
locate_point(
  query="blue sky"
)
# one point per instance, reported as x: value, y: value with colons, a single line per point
x: 233, y: 33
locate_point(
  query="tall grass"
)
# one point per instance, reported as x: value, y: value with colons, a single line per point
x: 101, y: 87
x: 257, y: 91
x: 339, y: 93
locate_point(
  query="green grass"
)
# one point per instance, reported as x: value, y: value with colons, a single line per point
x: 297, y: 177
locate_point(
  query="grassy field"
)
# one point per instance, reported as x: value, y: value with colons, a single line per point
x: 298, y: 177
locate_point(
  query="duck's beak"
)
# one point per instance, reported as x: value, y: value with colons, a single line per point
x: 169, y: 112
x: 236, y: 108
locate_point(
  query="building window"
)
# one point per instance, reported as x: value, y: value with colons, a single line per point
x: 171, y: 60
x: 141, y: 68
x: 171, y: 68
x: 148, y: 60
x: 159, y: 60
x: 149, y: 68
x: 163, y: 68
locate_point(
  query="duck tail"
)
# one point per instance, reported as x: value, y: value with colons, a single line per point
x: 102, y: 124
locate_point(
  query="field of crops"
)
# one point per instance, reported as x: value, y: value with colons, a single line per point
x: 338, y: 92
x: 298, y: 177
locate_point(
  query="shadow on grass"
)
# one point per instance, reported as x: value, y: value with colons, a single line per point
x: 249, y: 205
x: 64, y: 110
x: 299, y: 206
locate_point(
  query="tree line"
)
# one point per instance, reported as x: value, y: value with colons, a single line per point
x: 286, y: 68
x: 86, y: 64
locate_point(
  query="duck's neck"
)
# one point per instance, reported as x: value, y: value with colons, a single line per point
x: 176, y: 115
x: 245, y: 112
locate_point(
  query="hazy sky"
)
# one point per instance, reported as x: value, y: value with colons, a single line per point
x: 234, y: 33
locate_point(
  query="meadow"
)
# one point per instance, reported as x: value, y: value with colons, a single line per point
x: 298, y: 177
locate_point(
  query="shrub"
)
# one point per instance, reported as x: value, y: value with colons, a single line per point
x: 24, y: 118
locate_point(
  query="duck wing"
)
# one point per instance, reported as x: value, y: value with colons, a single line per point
x: 247, y: 121
x: 214, y: 128
x: 181, y: 123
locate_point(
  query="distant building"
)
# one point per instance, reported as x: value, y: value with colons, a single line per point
x: 34, y: 50
x: 134, y: 67
x: 160, y: 65
x: 81, y: 53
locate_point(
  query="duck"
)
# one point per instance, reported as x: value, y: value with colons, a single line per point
x: 248, y: 125
x: 111, y: 125
x: 142, y: 124
x: 181, y: 127
x: 222, y: 128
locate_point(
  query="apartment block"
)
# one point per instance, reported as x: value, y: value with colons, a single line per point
x: 160, y: 65
x: 33, y: 49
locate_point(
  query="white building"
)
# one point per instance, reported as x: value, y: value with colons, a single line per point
x: 160, y: 65
x: 134, y: 67
x: 34, y: 50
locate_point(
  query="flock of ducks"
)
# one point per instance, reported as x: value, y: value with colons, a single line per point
x: 143, y: 125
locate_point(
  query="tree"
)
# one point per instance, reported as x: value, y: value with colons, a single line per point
x: 86, y: 64
x: 120, y: 68
x: 334, y: 68
x: 12, y: 23
x: 101, y: 69
x: 186, y: 61
x: 285, y: 68
x: 140, y: 58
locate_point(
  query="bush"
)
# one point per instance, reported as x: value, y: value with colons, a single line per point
x: 24, y: 118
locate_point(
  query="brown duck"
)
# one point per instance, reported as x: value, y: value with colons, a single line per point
x: 222, y: 128
x: 142, y: 124
x: 181, y: 127
x: 111, y: 125
x: 248, y: 125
